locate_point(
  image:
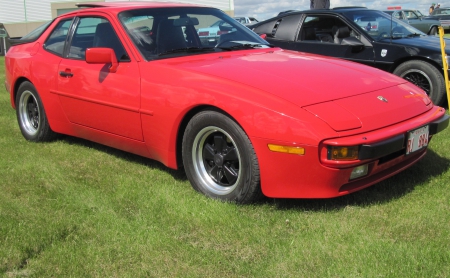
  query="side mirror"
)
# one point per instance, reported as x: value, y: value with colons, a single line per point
x: 101, y: 55
x: 357, y: 45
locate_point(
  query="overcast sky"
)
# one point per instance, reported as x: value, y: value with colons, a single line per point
x: 264, y: 9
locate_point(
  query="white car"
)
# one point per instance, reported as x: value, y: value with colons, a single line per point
x: 213, y: 32
x: 246, y: 20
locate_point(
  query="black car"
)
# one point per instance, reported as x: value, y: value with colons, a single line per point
x: 365, y: 36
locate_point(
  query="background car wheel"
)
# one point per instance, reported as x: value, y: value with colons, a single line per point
x: 31, y: 116
x: 219, y: 159
x: 425, y: 76
x: 433, y: 31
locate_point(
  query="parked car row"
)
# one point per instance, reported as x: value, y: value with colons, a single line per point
x: 443, y: 15
x: 415, y: 18
x: 242, y: 117
x: 210, y: 35
x: 246, y: 20
x: 369, y: 37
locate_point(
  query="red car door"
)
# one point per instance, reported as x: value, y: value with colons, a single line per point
x: 92, y: 96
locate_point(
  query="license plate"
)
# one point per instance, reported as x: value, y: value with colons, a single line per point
x: 417, y: 139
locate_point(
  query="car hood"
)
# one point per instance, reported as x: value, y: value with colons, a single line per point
x: 429, y: 17
x: 344, y: 94
x: 300, y: 78
x: 373, y: 110
x: 431, y: 43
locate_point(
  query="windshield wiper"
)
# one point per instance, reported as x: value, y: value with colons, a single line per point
x: 186, y: 49
x: 235, y: 45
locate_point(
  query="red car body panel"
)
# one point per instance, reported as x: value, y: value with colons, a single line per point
x: 316, y: 102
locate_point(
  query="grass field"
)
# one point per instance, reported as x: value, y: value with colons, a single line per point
x: 72, y: 208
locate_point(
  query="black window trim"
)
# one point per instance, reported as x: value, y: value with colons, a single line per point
x: 65, y: 40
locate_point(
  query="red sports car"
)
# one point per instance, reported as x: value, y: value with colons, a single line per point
x: 243, y: 118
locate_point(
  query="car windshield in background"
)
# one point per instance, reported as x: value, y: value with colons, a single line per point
x: 441, y: 12
x: 418, y: 13
x: 379, y: 25
x: 162, y: 33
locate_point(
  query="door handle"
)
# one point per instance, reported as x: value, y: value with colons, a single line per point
x: 66, y: 73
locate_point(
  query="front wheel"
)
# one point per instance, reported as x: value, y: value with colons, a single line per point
x: 433, y: 31
x: 33, y: 122
x: 219, y: 159
x: 425, y: 76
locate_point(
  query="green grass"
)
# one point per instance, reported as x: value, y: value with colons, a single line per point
x: 72, y: 208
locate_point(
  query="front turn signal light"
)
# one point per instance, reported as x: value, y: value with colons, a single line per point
x: 286, y: 149
x: 343, y: 153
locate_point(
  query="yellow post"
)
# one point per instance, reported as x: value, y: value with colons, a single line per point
x: 444, y: 63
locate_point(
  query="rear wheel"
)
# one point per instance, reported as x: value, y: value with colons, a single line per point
x: 433, y: 31
x: 425, y: 76
x: 31, y: 115
x: 219, y: 159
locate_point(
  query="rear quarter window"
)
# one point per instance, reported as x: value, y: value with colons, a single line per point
x: 55, y: 42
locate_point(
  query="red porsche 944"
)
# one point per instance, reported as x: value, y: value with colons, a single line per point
x: 244, y: 119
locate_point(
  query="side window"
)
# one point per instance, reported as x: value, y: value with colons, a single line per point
x: 95, y: 32
x: 412, y: 15
x: 317, y: 29
x: 399, y: 15
x: 56, y: 41
x: 325, y: 29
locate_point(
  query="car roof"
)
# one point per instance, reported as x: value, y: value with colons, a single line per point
x: 396, y: 10
x: 124, y: 4
x: 337, y: 10
x: 333, y: 10
x: 127, y: 5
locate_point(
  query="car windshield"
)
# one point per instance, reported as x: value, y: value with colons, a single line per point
x: 172, y: 32
x: 418, y: 13
x: 380, y: 26
x: 441, y: 12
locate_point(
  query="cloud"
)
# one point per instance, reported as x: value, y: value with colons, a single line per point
x: 264, y: 9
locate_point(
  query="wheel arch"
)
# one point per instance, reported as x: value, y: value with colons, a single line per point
x: 431, y: 28
x: 184, y: 122
x: 15, y: 89
x: 417, y: 58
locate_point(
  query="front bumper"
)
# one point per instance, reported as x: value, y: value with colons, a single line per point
x: 296, y: 176
x: 397, y: 143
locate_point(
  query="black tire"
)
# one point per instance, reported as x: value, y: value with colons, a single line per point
x: 33, y: 122
x: 219, y: 159
x: 433, y: 31
x: 425, y: 76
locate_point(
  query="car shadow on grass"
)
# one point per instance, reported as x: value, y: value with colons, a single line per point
x: 179, y: 175
x: 432, y: 165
